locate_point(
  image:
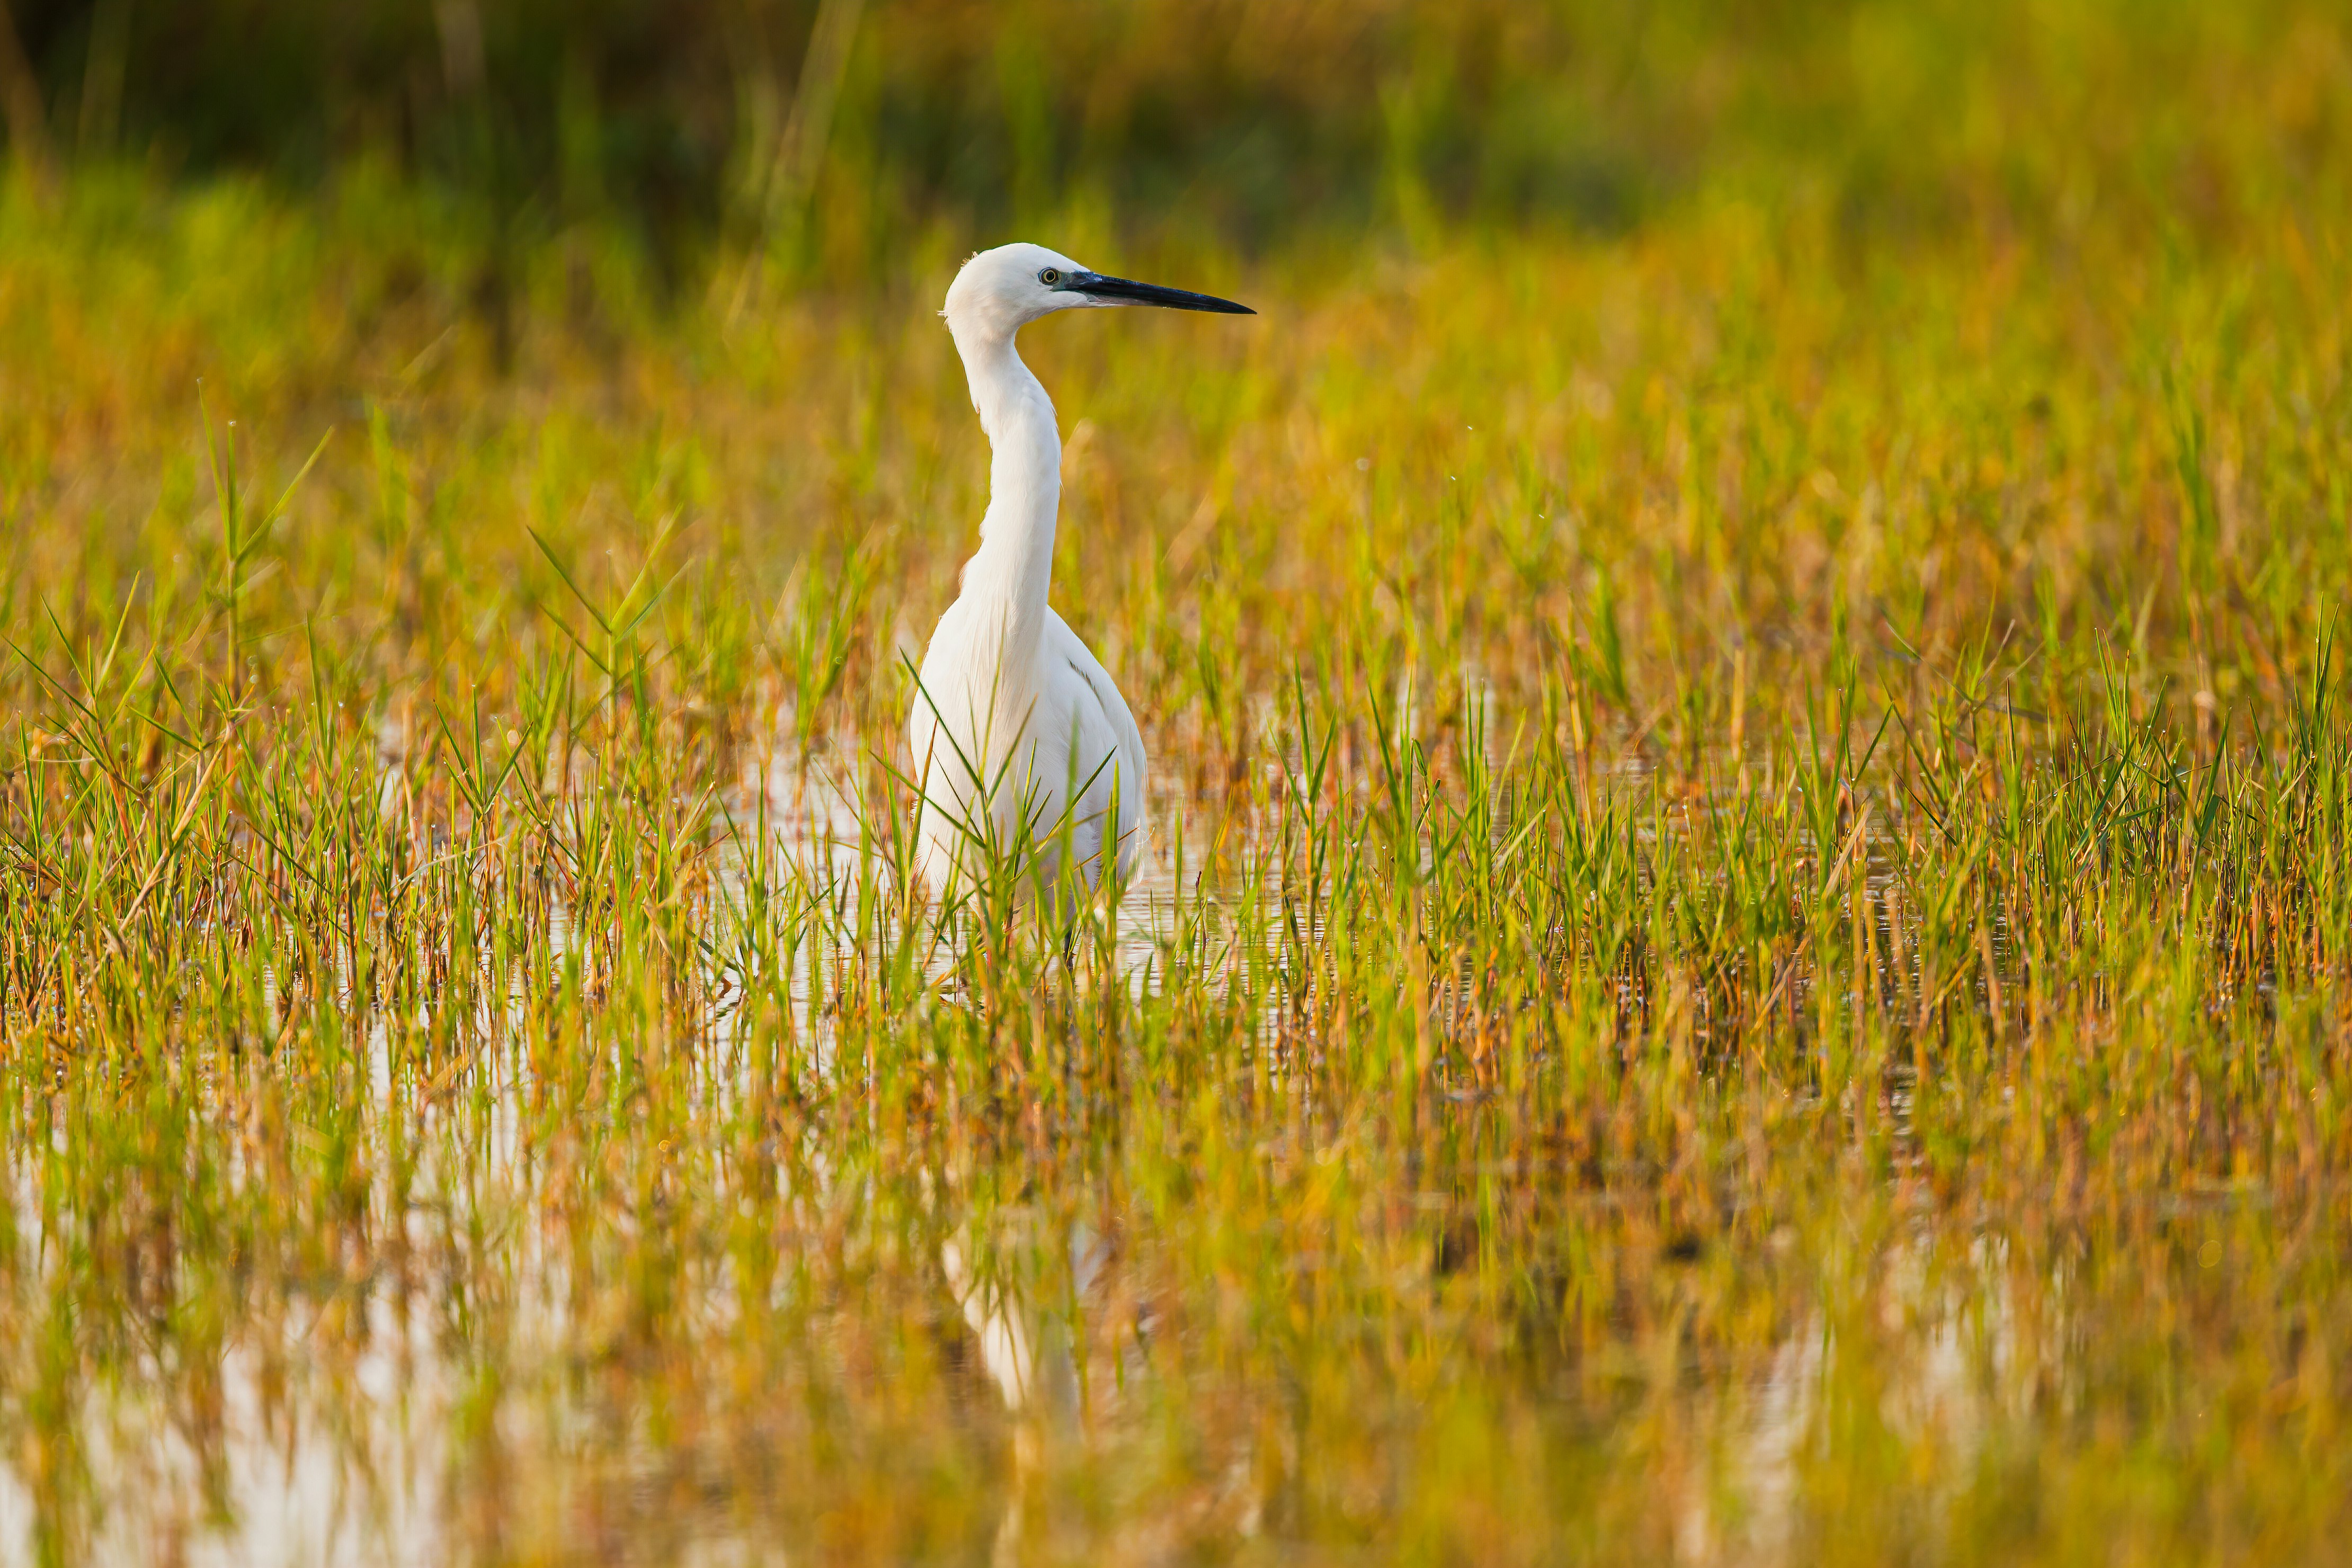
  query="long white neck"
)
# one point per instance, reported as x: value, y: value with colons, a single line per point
x: 1006, y: 581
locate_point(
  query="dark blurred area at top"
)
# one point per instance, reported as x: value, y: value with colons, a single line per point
x: 698, y: 121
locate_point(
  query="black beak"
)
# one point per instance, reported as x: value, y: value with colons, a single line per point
x: 1119, y: 290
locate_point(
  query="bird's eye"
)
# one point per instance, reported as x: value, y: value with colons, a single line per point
x: 1050, y: 277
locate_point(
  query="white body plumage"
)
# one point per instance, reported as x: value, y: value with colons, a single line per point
x: 1021, y: 742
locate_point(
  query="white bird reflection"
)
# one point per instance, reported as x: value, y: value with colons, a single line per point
x: 1030, y: 1354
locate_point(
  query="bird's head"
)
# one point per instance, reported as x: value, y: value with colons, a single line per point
x: 1001, y: 290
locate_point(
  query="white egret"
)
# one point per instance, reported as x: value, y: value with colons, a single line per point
x: 1021, y: 740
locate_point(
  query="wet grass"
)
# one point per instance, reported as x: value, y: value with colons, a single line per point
x: 1743, y: 956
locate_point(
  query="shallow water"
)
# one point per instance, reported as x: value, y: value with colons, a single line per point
x: 613, y: 1270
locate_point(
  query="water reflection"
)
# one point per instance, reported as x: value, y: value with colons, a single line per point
x: 560, y: 1334
x: 397, y: 1422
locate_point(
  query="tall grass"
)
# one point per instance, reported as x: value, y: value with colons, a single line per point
x: 1742, y: 959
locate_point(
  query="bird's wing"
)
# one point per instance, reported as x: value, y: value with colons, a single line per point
x: 1100, y: 716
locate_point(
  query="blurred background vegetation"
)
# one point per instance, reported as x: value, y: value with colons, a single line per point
x: 830, y: 133
x: 1941, y: 1144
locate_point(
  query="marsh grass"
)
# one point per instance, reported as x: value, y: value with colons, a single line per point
x: 1742, y: 957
